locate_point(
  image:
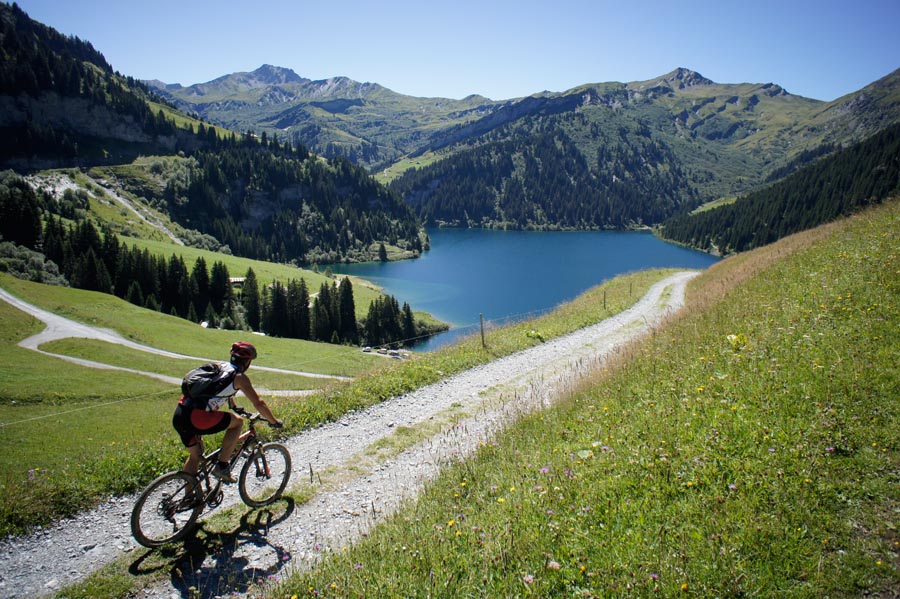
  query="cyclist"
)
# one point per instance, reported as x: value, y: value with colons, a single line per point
x: 193, y: 421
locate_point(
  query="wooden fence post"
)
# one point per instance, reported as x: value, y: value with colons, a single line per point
x: 481, y: 318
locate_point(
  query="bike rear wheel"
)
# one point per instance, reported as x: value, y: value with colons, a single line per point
x: 167, y: 510
x: 265, y: 474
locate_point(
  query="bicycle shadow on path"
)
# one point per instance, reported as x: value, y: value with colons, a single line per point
x: 212, y: 563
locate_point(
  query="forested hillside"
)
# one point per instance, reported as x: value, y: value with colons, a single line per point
x: 838, y: 185
x: 273, y: 203
x: 531, y: 176
x: 624, y: 155
x: 62, y: 105
x: 42, y: 241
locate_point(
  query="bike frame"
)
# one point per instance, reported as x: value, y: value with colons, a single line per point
x: 209, y: 484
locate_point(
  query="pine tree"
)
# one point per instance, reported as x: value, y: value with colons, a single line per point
x: 409, y: 323
x: 110, y: 251
x: 184, y: 295
x: 250, y: 300
x: 176, y: 291
x: 91, y: 274
x: 324, y: 314
x: 211, y: 318
x: 321, y: 323
x: 349, y: 331
x: 304, y: 318
x: 20, y: 212
x: 200, y: 285
x: 135, y: 296
x: 277, y: 313
x: 220, y: 294
x: 151, y: 303
x: 371, y: 324
x: 298, y: 309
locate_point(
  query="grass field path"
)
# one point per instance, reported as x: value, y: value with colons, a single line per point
x: 59, y: 327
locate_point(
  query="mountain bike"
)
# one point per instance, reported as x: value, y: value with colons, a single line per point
x: 169, y: 507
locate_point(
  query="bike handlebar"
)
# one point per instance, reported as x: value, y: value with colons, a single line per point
x: 253, y: 417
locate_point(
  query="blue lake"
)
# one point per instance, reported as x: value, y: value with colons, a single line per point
x: 509, y: 275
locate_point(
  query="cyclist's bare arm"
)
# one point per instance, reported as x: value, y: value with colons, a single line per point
x: 242, y: 383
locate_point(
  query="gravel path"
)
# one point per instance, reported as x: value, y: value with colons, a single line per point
x: 354, y: 490
x: 59, y: 327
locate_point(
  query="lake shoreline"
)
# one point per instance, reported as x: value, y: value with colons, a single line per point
x: 501, y: 276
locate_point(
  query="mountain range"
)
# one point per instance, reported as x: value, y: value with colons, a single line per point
x: 680, y: 137
x: 600, y: 155
x: 365, y: 122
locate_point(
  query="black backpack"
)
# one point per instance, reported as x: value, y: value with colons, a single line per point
x: 205, y: 382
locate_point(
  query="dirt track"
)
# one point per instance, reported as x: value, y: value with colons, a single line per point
x: 354, y: 491
x: 59, y: 327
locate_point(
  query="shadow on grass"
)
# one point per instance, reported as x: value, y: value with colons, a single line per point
x: 212, y: 563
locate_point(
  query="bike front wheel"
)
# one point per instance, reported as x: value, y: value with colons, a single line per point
x: 265, y: 474
x: 167, y: 510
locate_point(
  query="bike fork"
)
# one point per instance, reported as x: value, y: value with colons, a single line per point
x: 262, y: 466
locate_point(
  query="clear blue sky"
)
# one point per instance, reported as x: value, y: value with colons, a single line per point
x: 501, y: 49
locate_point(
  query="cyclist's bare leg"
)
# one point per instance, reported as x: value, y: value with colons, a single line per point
x: 192, y: 464
x: 229, y: 441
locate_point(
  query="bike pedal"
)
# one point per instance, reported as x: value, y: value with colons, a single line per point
x: 216, y: 500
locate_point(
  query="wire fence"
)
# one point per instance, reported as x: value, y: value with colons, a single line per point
x: 82, y: 408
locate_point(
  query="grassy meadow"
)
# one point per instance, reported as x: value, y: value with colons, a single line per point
x: 73, y: 435
x: 394, y: 377
x: 123, y: 421
x: 748, y: 449
x: 399, y: 167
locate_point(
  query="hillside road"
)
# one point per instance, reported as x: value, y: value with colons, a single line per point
x: 59, y: 327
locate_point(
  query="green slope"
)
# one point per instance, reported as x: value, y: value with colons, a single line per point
x: 748, y: 449
x: 74, y: 433
x: 142, y: 224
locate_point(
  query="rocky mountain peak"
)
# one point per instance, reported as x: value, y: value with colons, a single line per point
x: 682, y: 78
x: 272, y: 75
